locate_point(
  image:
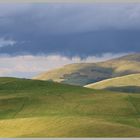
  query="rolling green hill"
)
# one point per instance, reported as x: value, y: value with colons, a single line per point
x: 128, y: 83
x: 86, y: 73
x: 33, y: 108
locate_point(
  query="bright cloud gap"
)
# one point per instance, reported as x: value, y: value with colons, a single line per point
x: 27, y: 66
x: 6, y: 42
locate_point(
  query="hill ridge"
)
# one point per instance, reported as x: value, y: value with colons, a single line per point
x: 127, y: 83
x: 86, y: 73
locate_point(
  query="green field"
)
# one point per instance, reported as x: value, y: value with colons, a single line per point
x: 129, y: 83
x: 33, y: 108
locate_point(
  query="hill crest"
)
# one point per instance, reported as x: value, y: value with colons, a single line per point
x: 86, y: 73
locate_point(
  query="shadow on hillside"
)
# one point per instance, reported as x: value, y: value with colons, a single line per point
x: 128, y: 89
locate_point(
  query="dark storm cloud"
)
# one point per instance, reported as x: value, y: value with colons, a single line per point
x: 70, y: 29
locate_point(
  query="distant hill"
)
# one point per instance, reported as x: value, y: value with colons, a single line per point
x: 34, y: 109
x: 86, y: 73
x: 128, y: 83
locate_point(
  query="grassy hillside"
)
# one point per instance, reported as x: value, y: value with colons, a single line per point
x: 32, y: 108
x: 128, y: 83
x: 86, y: 73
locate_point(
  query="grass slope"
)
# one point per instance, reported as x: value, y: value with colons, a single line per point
x: 86, y: 73
x: 128, y: 83
x: 32, y: 108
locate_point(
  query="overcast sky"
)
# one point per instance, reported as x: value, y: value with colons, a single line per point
x: 52, y: 35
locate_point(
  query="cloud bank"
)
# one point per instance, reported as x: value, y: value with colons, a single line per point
x: 70, y: 29
x: 29, y: 65
x: 67, y: 18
